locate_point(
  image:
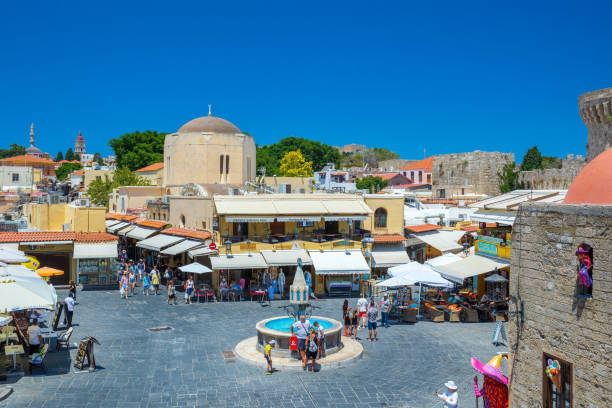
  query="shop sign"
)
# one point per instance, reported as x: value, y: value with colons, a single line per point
x: 487, y: 248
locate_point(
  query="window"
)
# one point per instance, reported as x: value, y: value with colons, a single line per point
x: 227, y: 164
x: 441, y: 193
x: 182, y: 221
x: 15, y: 177
x: 221, y: 164
x: 412, y: 177
x: 380, y: 218
x: 429, y: 179
x: 554, y: 397
x: 420, y: 176
x: 248, y: 164
x: 203, y: 224
x: 584, y: 273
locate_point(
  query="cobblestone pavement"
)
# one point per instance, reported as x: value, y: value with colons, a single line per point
x: 185, y: 367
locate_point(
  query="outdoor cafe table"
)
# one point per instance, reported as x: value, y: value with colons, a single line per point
x: 258, y: 292
x: 13, y: 351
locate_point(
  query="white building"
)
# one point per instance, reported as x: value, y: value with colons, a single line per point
x: 331, y: 180
x: 16, y: 178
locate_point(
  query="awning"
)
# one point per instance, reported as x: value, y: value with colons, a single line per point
x: 339, y: 262
x: 14, y: 246
x: 347, y: 218
x: 123, y: 232
x: 249, y: 219
x: 500, y: 218
x: 443, y: 260
x: 443, y: 240
x: 238, y: 261
x: 110, y: 223
x: 387, y: 259
x: 117, y: 226
x: 95, y: 250
x: 471, y: 266
x: 140, y: 233
x: 159, y: 242
x: 286, y: 257
x: 299, y: 219
x: 36, y: 243
x: 419, y: 274
x: 204, y: 251
x: 181, y: 247
x: 195, y: 268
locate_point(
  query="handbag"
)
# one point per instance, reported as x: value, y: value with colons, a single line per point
x: 293, y: 343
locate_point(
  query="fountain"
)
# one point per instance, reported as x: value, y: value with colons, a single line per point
x: 279, y: 328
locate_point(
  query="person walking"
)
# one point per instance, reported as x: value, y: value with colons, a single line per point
x: 69, y: 303
x: 281, y: 283
x: 171, y: 292
x: 155, y: 281
x: 384, y: 306
x: 141, y: 268
x: 132, y: 278
x: 312, y: 349
x: 300, y: 329
x: 372, y: 318
x: 146, y: 284
x: 125, y: 287
x: 354, y: 323
x: 268, y: 356
x: 362, y: 307
x: 72, y: 289
x: 450, y: 398
x: 189, y: 289
x: 320, y: 339
x: 347, y: 322
x: 345, y: 307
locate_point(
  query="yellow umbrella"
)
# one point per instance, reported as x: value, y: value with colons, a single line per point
x: 33, y: 264
x: 46, y: 272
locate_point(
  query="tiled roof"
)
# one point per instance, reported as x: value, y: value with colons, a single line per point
x: 409, y: 185
x: 78, y: 172
x: 151, y: 167
x: 121, y: 217
x: 470, y: 228
x: 384, y: 176
x: 388, y: 238
x: 152, y: 223
x: 426, y: 165
x: 189, y: 233
x: 28, y: 160
x: 39, y: 236
x: 422, y: 227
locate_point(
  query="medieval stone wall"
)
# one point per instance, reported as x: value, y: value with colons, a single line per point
x: 595, y: 110
x: 548, y: 179
x: 394, y: 164
x: 474, y: 171
x: 557, y: 322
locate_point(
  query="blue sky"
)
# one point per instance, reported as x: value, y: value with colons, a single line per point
x: 442, y: 76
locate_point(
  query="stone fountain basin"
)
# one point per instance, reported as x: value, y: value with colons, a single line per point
x: 333, y: 335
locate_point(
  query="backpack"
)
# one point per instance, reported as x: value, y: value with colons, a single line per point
x: 312, y: 346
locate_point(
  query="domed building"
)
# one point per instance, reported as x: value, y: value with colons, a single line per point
x: 208, y: 150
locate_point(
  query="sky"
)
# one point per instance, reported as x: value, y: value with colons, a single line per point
x: 439, y: 77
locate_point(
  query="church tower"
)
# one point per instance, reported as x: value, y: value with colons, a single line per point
x: 79, y: 144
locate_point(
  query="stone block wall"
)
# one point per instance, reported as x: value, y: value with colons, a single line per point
x: 595, y: 110
x: 394, y: 164
x: 548, y: 179
x: 543, y: 276
x: 477, y: 170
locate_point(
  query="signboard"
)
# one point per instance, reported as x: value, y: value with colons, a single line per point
x: 212, y: 246
x: 59, y: 308
x: 486, y: 248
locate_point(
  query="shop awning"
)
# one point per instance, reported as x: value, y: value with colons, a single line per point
x: 195, y: 268
x: 500, y: 218
x: 95, y: 250
x: 181, y: 247
x: 140, y: 233
x: 339, y: 262
x: 159, y: 242
x: 443, y: 260
x: 443, y: 240
x: 299, y: 219
x: 471, y: 266
x: 387, y: 259
x: 116, y: 227
x: 346, y: 218
x: 37, y: 243
x: 110, y: 223
x: 286, y: 257
x: 14, y: 246
x: 204, y: 251
x: 238, y: 261
x: 249, y: 219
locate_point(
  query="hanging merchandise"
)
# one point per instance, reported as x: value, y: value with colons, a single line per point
x: 553, y: 372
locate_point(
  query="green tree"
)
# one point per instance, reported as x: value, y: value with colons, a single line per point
x: 69, y: 155
x: 293, y: 164
x: 371, y: 183
x: 99, y: 189
x: 532, y: 159
x: 508, y: 178
x: 138, y: 149
x: 15, y: 150
x: 97, y: 157
x: 59, y: 157
x: 318, y: 153
x: 65, y: 169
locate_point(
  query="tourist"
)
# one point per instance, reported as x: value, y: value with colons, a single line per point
x: 281, y: 283
x: 300, y: 329
x: 320, y: 339
x: 268, y: 356
x: 354, y: 323
x: 119, y: 276
x: 385, y: 306
x: 146, y: 284
x: 189, y: 289
x: 141, y: 268
x: 362, y: 307
x: 347, y: 322
x: 124, y: 285
x: 72, y: 289
x: 155, y: 278
x: 372, y: 317
x: 132, y: 279
x: 124, y: 255
x: 312, y: 349
x: 34, y: 337
x: 223, y: 289
x: 69, y: 303
x: 450, y: 398
x: 171, y: 292
x: 345, y: 307
x: 500, y: 329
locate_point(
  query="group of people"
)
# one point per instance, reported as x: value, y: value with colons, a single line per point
x: 367, y: 312
x: 310, y: 342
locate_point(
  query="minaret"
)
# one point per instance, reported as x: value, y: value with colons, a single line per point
x: 32, y: 134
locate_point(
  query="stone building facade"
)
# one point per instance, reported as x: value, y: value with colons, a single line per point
x: 558, y: 322
x: 556, y: 179
x: 595, y: 110
x: 474, y: 172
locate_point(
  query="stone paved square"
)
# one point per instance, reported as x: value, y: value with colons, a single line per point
x: 185, y: 367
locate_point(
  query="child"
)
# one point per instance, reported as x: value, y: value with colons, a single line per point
x: 355, y: 323
x: 347, y: 322
x: 268, y: 356
x: 146, y: 282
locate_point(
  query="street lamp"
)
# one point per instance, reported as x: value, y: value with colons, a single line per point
x: 228, y: 247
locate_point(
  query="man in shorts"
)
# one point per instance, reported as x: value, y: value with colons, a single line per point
x: 385, y: 306
x: 372, y: 317
x: 362, y: 308
x: 301, y: 329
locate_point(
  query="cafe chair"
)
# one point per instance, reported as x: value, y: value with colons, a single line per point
x: 64, y: 339
x: 38, y: 359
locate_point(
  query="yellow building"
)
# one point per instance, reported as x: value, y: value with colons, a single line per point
x: 65, y: 217
x: 154, y: 173
x: 90, y: 175
x: 289, y: 185
x: 133, y: 199
x: 387, y: 215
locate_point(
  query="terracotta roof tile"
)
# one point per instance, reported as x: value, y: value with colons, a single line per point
x: 151, y: 167
x: 152, y: 223
x: 388, y: 238
x: 422, y: 227
x: 28, y: 160
x: 94, y: 237
x: 426, y: 165
x: 470, y: 228
x: 384, y: 176
x: 409, y: 185
x: 189, y: 233
x: 121, y: 217
x: 39, y: 236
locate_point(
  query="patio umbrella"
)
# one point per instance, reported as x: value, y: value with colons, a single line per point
x: 46, y: 272
x: 8, y: 255
x: 195, y: 267
x: 396, y: 282
x: 19, y: 292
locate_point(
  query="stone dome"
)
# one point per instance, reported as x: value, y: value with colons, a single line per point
x: 592, y: 184
x: 33, y: 150
x: 209, y: 123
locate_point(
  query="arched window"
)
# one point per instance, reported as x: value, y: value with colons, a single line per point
x: 221, y: 164
x: 182, y: 221
x: 380, y: 218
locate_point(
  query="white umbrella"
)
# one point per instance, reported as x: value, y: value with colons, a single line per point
x: 19, y: 292
x: 4, y: 320
x: 12, y: 255
x: 443, y: 259
x: 195, y: 267
x: 396, y: 282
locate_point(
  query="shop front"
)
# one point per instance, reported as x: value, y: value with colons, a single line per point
x: 338, y: 272
x: 246, y: 269
x: 286, y: 261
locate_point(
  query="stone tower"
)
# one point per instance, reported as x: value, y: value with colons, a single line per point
x: 79, y: 144
x: 595, y: 110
